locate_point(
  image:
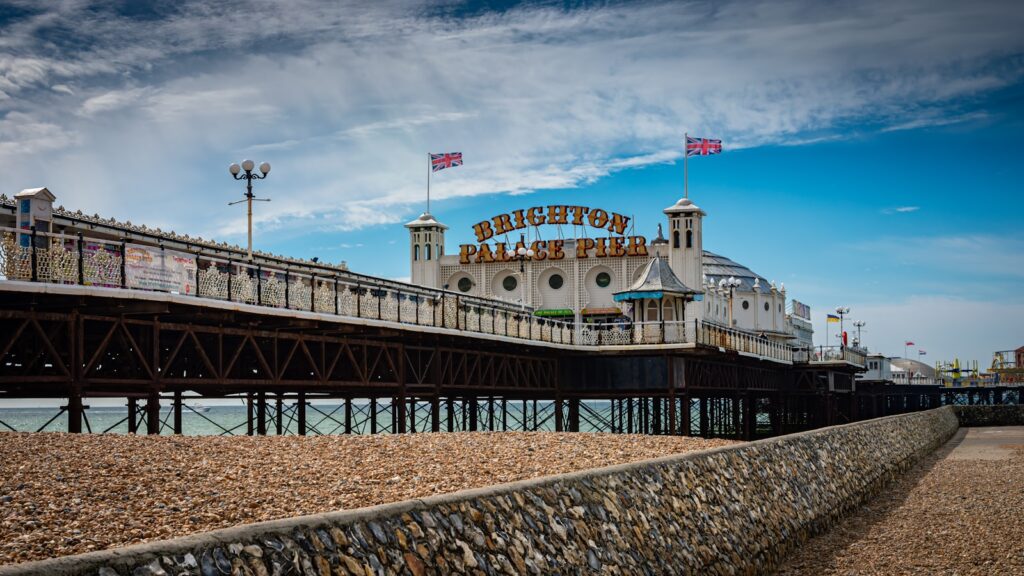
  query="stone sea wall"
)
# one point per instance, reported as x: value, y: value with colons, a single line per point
x: 991, y: 415
x: 725, y: 511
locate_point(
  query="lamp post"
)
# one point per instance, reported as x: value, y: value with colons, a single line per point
x: 521, y: 255
x: 248, y: 166
x: 842, y: 312
x: 858, y: 324
x: 731, y: 283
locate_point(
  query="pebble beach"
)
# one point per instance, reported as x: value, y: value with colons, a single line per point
x: 960, y: 511
x: 66, y: 494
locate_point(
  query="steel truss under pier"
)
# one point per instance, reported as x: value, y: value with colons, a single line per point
x: 310, y: 376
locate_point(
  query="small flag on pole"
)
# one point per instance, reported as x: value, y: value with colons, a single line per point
x: 908, y: 343
x: 921, y: 352
x: 446, y: 160
x: 833, y: 319
x: 702, y: 146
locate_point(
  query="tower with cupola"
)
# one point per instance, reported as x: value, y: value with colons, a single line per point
x: 426, y: 246
x: 686, y: 243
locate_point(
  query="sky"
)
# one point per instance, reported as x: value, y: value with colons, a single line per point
x: 872, y: 149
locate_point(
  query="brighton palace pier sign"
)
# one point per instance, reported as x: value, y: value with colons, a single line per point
x: 616, y: 245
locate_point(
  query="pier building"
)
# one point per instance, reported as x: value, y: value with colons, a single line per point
x: 581, y: 263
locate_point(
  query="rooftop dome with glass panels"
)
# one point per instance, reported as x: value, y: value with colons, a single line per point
x: 717, y: 267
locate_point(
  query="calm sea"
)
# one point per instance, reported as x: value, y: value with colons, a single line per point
x: 231, y: 419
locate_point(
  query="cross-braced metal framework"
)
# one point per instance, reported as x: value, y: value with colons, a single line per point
x: 305, y: 376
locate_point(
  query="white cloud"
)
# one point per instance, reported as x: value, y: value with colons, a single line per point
x: 901, y: 210
x: 346, y: 100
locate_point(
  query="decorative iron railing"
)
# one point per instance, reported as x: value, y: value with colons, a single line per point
x: 61, y: 258
x: 847, y: 354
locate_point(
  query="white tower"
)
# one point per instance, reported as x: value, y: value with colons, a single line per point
x: 686, y: 243
x: 426, y: 246
x: 35, y: 208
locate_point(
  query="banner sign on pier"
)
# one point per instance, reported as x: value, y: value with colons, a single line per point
x: 150, y: 268
x: 801, y: 310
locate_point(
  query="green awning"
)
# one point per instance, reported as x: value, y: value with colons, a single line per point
x: 555, y: 312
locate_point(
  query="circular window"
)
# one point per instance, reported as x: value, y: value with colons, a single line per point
x: 746, y: 305
x: 465, y: 284
x: 603, y: 279
x: 766, y: 307
x: 556, y: 281
x: 509, y: 283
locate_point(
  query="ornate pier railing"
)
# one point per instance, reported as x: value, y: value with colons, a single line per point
x: 827, y: 354
x: 76, y: 259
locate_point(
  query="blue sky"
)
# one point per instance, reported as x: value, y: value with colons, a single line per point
x: 873, y: 149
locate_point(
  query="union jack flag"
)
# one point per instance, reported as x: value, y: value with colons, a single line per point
x: 702, y: 146
x: 446, y: 160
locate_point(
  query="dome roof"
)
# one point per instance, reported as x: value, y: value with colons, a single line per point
x: 717, y: 267
x: 684, y: 205
x: 425, y: 219
x: 913, y: 367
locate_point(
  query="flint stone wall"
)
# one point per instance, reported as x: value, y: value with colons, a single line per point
x: 991, y: 415
x: 725, y: 511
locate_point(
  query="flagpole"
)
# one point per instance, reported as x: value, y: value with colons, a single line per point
x: 428, y: 182
x: 686, y: 156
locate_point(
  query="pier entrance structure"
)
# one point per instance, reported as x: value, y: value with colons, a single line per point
x: 94, y: 308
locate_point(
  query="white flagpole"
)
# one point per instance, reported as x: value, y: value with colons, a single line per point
x: 428, y: 182
x: 686, y: 156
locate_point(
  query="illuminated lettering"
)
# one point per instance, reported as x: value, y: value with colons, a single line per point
x: 555, y: 249
x: 520, y: 222
x: 483, y: 231
x: 465, y: 251
x: 538, y: 250
x: 598, y: 218
x: 558, y: 214
x: 578, y: 212
x: 615, y: 248
x: 583, y: 245
x: 534, y: 218
x: 618, y: 224
x: 502, y: 224
x: 637, y: 246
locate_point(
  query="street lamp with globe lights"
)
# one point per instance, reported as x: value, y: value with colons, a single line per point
x: 731, y: 283
x: 248, y: 166
x: 858, y: 324
x: 521, y: 255
x: 842, y: 311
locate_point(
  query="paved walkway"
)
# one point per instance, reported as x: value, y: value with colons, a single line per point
x: 960, y: 511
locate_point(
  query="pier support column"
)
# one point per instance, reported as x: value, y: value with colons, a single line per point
x: 261, y: 413
x: 450, y: 408
x: 177, y: 412
x: 574, y: 415
x: 656, y: 409
x: 279, y: 414
x: 559, y: 427
x: 301, y: 417
x: 249, y: 416
x: 75, y: 412
x: 435, y: 414
x: 153, y: 413
x: 133, y: 415
x: 373, y: 415
x: 474, y: 412
x: 348, y: 415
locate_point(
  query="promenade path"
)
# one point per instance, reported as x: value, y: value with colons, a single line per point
x: 960, y: 511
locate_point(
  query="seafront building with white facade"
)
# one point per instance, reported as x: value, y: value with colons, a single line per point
x: 585, y: 265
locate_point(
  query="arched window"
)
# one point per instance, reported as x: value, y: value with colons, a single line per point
x: 426, y: 247
x: 416, y: 252
x: 689, y: 238
x: 675, y: 239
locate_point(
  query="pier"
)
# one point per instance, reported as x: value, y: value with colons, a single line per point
x: 394, y: 357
